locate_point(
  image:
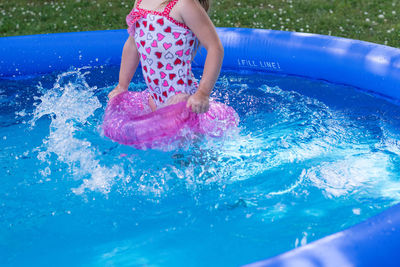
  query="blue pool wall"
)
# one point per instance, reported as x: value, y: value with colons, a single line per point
x: 367, y: 66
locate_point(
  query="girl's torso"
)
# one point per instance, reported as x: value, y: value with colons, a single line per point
x: 165, y: 48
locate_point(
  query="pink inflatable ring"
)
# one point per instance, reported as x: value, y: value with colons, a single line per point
x: 129, y: 120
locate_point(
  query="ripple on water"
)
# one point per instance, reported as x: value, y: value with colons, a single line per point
x: 304, y: 151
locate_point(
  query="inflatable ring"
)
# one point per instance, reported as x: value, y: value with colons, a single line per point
x: 129, y: 120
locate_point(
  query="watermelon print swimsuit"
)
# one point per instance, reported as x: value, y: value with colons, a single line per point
x: 165, y: 49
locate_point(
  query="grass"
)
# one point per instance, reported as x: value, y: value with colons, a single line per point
x: 368, y: 20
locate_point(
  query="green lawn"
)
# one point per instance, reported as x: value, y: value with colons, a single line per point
x: 369, y: 20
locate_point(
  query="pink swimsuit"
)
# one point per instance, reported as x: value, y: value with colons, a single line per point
x: 165, y: 48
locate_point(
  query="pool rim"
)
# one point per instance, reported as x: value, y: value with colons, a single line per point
x: 370, y: 67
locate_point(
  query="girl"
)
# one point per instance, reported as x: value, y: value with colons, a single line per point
x: 163, y: 36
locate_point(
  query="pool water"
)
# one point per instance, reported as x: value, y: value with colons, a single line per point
x: 309, y: 159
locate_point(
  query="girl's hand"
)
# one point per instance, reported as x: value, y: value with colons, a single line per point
x: 198, y: 102
x: 117, y: 90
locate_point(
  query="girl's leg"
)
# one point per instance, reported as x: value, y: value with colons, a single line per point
x: 172, y: 100
x: 177, y: 98
x: 152, y: 104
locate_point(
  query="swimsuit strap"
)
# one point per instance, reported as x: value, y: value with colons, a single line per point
x: 138, y: 3
x: 168, y: 8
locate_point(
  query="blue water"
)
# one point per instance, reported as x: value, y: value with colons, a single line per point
x: 309, y: 159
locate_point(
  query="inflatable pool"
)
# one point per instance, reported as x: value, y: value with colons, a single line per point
x: 369, y: 67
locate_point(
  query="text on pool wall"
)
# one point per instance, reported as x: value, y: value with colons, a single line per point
x: 260, y: 64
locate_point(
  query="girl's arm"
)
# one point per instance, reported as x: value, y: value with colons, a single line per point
x: 129, y: 64
x: 196, y: 18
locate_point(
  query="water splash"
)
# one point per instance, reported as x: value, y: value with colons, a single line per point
x: 284, y: 130
x: 69, y: 104
x: 297, y: 158
x: 338, y: 158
